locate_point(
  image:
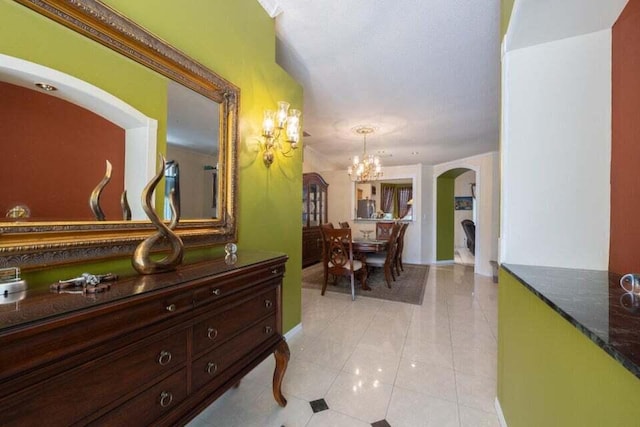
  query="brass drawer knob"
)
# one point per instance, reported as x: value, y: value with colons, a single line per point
x: 268, y: 329
x: 268, y: 303
x: 171, y: 308
x: 212, y: 368
x: 164, y: 358
x: 215, y: 292
x: 212, y: 333
x: 165, y: 399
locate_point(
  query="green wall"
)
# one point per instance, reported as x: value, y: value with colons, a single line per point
x: 551, y: 374
x: 236, y: 39
x: 506, y: 7
x: 445, y: 218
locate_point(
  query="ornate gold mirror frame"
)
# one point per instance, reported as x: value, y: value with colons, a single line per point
x: 33, y: 244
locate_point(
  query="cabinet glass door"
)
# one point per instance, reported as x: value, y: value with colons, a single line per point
x: 314, y: 201
x: 323, y: 207
x: 305, y: 207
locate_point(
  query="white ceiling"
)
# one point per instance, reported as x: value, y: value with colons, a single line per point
x: 540, y: 21
x: 424, y: 72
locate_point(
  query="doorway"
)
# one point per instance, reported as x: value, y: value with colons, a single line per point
x: 456, y: 216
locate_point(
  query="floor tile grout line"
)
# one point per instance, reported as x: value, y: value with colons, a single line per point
x: 455, y: 378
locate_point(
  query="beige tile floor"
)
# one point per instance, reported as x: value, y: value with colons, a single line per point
x: 372, y: 360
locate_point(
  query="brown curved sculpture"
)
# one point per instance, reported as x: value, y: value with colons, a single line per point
x: 141, y: 260
x: 126, y: 209
x: 94, y: 199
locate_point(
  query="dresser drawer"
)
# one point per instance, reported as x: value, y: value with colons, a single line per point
x: 80, y: 392
x: 149, y: 405
x: 220, y: 327
x: 212, y: 368
x: 214, y: 290
x: 59, y: 340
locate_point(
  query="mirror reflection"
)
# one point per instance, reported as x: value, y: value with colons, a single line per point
x: 192, y: 153
x: 72, y: 230
x: 384, y: 200
x: 54, y: 154
x: 55, y: 150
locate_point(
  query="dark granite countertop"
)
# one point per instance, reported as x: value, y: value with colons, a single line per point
x: 594, y: 303
x: 38, y: 302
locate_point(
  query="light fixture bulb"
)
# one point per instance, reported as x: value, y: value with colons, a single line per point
x: 293, y: 125
x: 268, y: 124
x: 281, y: 116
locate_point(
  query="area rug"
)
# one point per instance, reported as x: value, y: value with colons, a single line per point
x: 408, y: 287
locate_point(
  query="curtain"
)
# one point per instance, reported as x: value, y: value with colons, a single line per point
x: 386, y: 197
x: 405, y: 193
x: 394, y: 198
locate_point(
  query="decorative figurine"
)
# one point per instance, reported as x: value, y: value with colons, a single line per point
x: 124, y: 203
x: 141, y: 260
x: 86, y: 283
x: 94, y: 199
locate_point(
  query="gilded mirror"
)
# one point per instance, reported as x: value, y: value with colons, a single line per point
x: 45, y: 240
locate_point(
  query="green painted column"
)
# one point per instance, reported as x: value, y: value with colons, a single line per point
x: 550, y: 374
x: 445, y: 218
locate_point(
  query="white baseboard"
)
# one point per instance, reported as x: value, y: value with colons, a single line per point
x: 503, y: 422
x: 444, y: 262
x: 293, y: 331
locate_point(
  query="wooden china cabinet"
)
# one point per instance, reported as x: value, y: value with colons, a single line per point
x: 314, y: 214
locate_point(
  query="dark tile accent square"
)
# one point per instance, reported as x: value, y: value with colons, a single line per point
x: 381, y: 423
x: 318, y: 405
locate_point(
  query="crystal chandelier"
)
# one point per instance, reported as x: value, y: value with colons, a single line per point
x: 369, y: 168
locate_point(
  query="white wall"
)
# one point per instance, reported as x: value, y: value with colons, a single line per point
x: 556, y: 153
x: 427, y: 218
x: 487, y: 197
x: 314, y: 161
x: 339, y: 197
x: 462, y: 189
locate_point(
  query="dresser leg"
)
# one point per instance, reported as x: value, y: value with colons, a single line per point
x: 282, y: 360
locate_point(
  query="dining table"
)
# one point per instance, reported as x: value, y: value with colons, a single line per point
x: 369, y: 245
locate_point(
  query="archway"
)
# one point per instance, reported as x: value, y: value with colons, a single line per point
x: 455, y: 203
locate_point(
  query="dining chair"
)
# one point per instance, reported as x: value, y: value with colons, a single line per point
x: 339, y: 258
x: 400, y: 247
x: 344, y: 225
x: 387, y: 259
x: 383, y: 230
x: 325, y: 248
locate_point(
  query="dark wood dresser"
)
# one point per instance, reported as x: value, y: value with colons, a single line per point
x: 152, y: 350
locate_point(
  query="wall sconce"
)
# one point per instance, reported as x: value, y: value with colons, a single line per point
x: 272, y: 126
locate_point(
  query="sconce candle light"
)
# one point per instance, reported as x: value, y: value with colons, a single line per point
x: 272, y: 126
